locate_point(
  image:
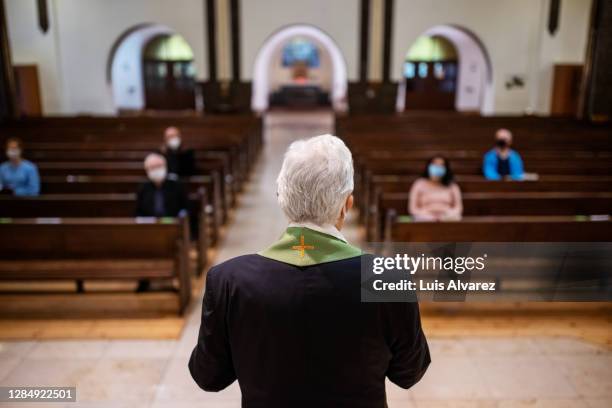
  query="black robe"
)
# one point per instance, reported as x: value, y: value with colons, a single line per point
x: 300, y: 336
x: 175, y: 199
x: 180, y: 162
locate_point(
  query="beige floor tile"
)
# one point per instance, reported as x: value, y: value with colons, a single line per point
x: 69, y: 349
x: 11, y: 355
x: 599, y: 402
x: 177, y: 385
x: 400, y: 403
x: 60, y: 372
x: 155, y: 349
x: 115, y: 379
x: 16, y: 348
x: 397, y: 393
x: 543, y: 403
x: 7, y: 365
x: 440, y: 348
x: 452, y: 377
x: 590, y: 375
x: 568, y: 345
x: 495, y: 346
x: 454, y: 403
x: 524, y: 377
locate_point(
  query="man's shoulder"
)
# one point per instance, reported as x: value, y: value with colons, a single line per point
x: 248, y: 266
x: 514, y: 153
x: 236, y: 262
x: 145, y: 185
x: 234, y: 268
x: 491, y: 153
x: 27, y: 165
x: 171, y: 184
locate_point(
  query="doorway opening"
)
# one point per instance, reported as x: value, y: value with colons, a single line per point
x: 299, y: 66
x: 301, y: 78
x: 430, y: 73
x: 151, y: 67
x: 447, y: 68
x: 169, y: 73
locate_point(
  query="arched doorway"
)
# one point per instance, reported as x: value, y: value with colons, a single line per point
x: 430, y: 73
x: 126, y: 66
x: 456, y: 63
x: 169, y: 73
x: 300, y: 75
x: 297, y: 55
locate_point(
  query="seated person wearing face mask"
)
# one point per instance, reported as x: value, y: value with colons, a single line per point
x: 17, y: 175
x: 501, y: 162
x: 181, y: 162
x: 435, y: 196
x: 159, y: 197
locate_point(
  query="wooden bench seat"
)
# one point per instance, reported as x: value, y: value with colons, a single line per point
x: 374, y: 185
x: 205, y: 186
x: 55, y: 206
x: 98, y: 249
x: 498, y: 204
x: 500, y: 229
x: 87, y: 269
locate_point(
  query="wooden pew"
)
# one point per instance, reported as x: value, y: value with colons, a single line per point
x: 594, y: 167
x: 500, y: 229
x: 55, y: 206
x: 96, y: 249
x: 233, y: 172
x: 206, y: 186
x: 503, y: 204
x: 72, y: 169
x: 378, y: 185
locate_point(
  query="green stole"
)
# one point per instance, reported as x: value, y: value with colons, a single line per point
x: 301, y: 246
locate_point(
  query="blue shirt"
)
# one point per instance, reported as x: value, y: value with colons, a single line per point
x: 490, y: 165
x: 22, y: 179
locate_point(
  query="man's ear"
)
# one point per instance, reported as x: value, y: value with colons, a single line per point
x: 349, y: 202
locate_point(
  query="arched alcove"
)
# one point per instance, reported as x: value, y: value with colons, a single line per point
x: 474, y: 82
x: 126, y: 70
x: 266, y: 58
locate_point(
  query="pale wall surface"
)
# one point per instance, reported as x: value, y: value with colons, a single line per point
x: 514, y: 34
x: 262, y: 18
x: 85, y: 31
x: 73, y: 56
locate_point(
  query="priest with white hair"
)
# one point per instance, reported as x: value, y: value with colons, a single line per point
x: 288, y: 322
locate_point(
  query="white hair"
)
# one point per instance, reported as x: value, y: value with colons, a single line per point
x: 153, y: 158
x: 315, y: 180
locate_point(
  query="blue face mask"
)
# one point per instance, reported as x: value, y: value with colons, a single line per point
x: 435, y: 170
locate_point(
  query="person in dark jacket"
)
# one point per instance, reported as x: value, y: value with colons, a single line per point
x: 159, y: 196
x: 288, y: 322
x: 181, y: 161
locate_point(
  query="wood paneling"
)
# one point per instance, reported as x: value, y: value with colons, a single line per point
x: 566, y: 89
x: 28, y: 90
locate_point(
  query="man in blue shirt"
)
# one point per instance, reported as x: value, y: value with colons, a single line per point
x: 17, y: 174
x: 501, y: 162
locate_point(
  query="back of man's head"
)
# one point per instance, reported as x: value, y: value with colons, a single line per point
x: 315, y: 180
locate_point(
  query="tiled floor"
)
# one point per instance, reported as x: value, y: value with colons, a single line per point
x: 467, y: 371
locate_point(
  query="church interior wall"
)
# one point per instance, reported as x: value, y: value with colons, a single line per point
x: 72, y: 57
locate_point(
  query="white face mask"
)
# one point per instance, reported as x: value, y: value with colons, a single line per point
x: 174, y: 143
x: 13, y: 153
x: 158, y: 174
